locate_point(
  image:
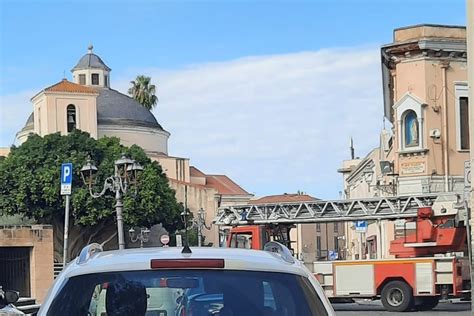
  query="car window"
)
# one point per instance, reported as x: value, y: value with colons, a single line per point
x: 187, y: 292
x: 241, y: 240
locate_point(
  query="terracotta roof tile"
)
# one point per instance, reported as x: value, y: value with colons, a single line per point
x: 67, y: 86
x: 283, y: 198
x: 224, y: 185
x: 195, y: 172
x: 190, y: 184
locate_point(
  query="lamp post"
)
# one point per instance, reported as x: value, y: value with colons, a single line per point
x: 201, y: 223
x: 143, y: 236
x: 184, y: 217
x: 126, y: 172
x: 343, y: 252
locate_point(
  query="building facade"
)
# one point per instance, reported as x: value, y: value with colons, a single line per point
x: 26, y: 259
x: 424, y: 75
x: 426, y: 99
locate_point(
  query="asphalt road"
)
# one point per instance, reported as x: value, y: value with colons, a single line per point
x: 376, y: 308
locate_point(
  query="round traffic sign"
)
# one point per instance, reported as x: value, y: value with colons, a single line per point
x: 165, y: 239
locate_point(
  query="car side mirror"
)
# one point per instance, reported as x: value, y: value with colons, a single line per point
x: 11, y: 296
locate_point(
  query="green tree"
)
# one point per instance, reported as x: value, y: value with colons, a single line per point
x: 143, y: 91
x: 30, y: 187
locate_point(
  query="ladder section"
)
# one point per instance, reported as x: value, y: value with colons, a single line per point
x: 332, y: 211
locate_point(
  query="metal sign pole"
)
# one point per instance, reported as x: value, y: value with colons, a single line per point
x: 66, y: 189
x: 66, y: 230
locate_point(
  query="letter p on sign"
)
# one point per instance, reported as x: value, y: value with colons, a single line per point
x: 66, y: 178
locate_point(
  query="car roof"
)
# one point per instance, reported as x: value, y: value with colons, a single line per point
x: 140, y: 259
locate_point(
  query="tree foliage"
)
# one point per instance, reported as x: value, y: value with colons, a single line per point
x: 30, y: 186
x: 143, y: 91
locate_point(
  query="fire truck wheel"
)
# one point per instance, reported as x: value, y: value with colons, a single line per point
x: 426, y: 303
x: 397, y: 296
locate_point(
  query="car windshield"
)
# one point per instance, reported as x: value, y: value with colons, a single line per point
x: 187, y: 293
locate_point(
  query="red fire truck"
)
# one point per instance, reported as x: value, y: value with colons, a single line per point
x: 429, y: 261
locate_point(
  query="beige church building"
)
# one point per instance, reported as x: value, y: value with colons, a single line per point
x: 90, y: 104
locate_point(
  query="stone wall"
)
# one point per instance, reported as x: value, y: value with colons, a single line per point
x: 39, y: 238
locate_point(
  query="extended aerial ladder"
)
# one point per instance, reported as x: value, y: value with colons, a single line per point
x: 437, y: 217
x: 317, y: 211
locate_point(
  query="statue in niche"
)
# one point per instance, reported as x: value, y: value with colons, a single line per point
x: 411, y: 129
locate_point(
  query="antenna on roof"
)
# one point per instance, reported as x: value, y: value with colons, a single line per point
x: 352, y: 148
x: 64, y: 74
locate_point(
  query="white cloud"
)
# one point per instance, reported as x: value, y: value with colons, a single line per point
x: 14, y: 111
x: 274, y: 124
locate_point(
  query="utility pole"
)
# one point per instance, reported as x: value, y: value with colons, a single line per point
x: 470, y: 76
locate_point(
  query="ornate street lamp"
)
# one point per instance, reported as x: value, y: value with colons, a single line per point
x: 143, y: 236
x: 201, y: 223
x: 126, y: 173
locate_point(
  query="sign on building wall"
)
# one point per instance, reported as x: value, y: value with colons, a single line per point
x: 333, y: 255
x: 361, y: 226
x: 412, y: 167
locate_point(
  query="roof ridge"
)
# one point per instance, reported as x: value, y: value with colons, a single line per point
x: 229, y: 179
x: 65, y: 81
x: 67, y: 86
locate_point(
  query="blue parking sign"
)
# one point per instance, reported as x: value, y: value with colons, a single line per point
x: 66, y: 178
x: 361, y: 226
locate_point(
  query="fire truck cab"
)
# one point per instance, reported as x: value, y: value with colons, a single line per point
x: 256, y: 236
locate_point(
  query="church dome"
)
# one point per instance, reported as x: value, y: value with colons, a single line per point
x: 29, y: 128
x: 115, y: 108
x: 116, y: 114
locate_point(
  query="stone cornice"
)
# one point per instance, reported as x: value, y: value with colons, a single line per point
x: 424, y: 48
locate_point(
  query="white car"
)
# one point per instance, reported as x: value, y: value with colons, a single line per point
x: 158, y: 281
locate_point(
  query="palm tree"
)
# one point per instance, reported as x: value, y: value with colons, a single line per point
x: 143, y: 91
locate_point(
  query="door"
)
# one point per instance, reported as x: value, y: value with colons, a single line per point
x: 15, y: 269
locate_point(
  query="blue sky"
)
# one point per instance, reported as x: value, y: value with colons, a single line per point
x: 226, y: 58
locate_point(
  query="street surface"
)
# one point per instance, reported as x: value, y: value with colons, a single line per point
x: 375, y: 308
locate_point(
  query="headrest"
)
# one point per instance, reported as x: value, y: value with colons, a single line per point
x: 126, y: 298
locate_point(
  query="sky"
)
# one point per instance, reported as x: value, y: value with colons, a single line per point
x: 266, y: 92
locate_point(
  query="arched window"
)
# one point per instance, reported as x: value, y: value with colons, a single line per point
x: 411, y: 129
x: 71, y: 118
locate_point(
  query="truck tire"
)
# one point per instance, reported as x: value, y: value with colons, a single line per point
x: 426, y: 303
x: 397, y: 296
